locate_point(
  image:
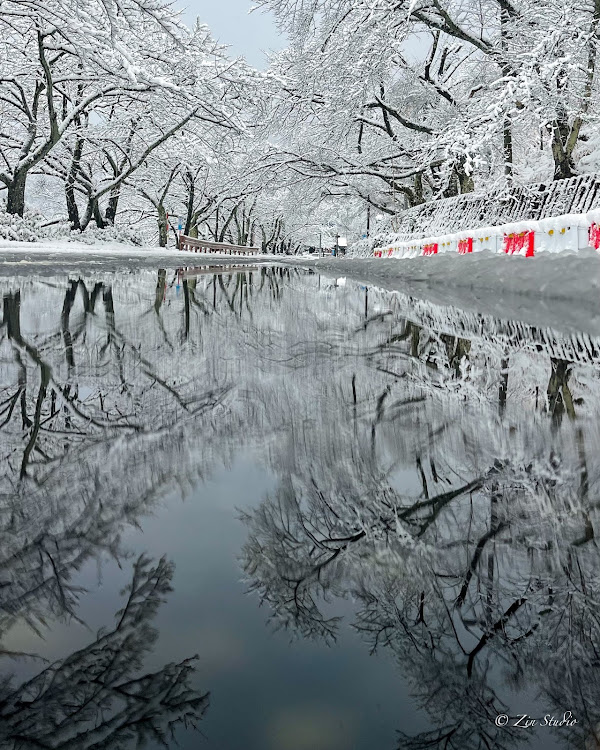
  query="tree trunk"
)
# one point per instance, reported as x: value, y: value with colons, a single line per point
x: 565, y: 136
x: 418, y: 195
x: 72, y: 209
x: 508, y: 147
x: 189, y: 219
x: 466, y: 182
x: 15, y: 202
x: 113, y: 204
x: 98, y: 218
x: 452, y: 188
x: 226, y: 225
x: 507, y: 139
x: 563, y: 163
x: 162, y: 225
x: 89, y: 210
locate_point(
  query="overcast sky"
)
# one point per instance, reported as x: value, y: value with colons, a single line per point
x: 246, y: 34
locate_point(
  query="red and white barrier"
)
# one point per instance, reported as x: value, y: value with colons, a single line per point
x: 521, y: 243
x: 528, y: 238
x: 465, y: 246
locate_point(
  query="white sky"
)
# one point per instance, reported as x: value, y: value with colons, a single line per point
x: 246, y: 34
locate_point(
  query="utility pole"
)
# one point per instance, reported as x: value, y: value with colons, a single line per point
x: 368, y: 219
x: 320, y: 245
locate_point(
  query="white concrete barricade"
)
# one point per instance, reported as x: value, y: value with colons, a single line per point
x: 568, y: 233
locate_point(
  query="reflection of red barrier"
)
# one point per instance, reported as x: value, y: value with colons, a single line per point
x: 465, y: 246
x: 430, y: 249
x: 514, y: 243
x: 594, y: 236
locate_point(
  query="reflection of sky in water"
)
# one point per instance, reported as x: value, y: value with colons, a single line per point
x: 429, y: 446
x: 266, y: 691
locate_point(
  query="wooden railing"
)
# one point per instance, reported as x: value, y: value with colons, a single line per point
x: 184, y: 273
x: 194, y: 245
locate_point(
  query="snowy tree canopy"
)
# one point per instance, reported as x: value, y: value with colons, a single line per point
x: 400, y: 102
x: 378, y: 105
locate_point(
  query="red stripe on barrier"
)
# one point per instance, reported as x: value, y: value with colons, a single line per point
x: 430, y: 249
x: 465, y: 246
x: 515, y: 243
x: 594, y: 236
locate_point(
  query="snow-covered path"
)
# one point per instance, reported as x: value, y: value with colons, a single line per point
x: 49, y: 257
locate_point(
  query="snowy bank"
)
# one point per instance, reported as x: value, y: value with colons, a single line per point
x: 51, y: 255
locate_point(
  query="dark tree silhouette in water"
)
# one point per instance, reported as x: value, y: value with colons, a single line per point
x: 96, y: 697
x: 85, y: 420
x: 481, y: 585
x: 469, y: 568
x: 484, y: 581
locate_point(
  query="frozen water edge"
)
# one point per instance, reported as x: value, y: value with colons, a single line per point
x: 56, y: 257
x: 559, y: 290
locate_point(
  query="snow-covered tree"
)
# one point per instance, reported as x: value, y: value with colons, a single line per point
x: 397, y: 103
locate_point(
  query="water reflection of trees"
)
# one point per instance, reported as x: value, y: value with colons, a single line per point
x: 483, y: 578
x: 97, y: 697
x: 97, y: 419
x: 459, y: 586
x: 85, y: 413
x: 441, y: 477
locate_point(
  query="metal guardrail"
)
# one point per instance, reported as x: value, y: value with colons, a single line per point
x: 195, y: 245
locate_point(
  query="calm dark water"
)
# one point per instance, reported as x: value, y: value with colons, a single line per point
x: 270, y: 510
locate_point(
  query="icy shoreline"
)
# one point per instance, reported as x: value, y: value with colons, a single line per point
x: 56, y: 257
x: 559, y: 290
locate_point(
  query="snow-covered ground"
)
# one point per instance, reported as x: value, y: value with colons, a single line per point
x: 50, y: 256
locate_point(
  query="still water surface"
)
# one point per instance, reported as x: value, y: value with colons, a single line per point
x: 263, y: 509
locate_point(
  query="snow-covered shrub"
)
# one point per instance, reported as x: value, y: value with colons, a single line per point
x: 28, y: 228
x: 34, y: 227
x: 93, y: 235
